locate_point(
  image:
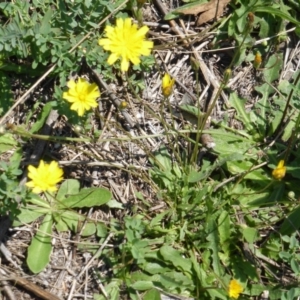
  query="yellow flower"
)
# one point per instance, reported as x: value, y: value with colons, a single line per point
x: 257, y: 60
x: 82, y: 94
x: 279, y: 172
x: 234, y: 289
x: 167, y: 85
x: 127, y: 42
x: 44, y: 177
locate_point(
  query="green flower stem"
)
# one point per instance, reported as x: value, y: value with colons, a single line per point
x: 22, y: 132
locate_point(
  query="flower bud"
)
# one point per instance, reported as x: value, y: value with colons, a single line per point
x: 123, y: 105
x: 227, y: 76
x: 279, y: 172
x: 167, y: 85
x: 257, y: 60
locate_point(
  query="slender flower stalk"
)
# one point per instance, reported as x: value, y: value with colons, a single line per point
x: 234, y: 289
x: 44, y: 177
x: 167, y: 85
x: 127, y: 42
x: 82, y: 95
x: 279, y: 172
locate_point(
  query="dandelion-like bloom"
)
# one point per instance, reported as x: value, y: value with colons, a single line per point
x: 127, y: 42
x: 234, y: 289
x: 167, y: 85
x: 82, y: 95
x: 44, y: 177
x: 279, y: 172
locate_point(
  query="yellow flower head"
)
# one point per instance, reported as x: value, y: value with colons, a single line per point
x: 257, y: 60
x: 279, y: 172
x: 127, y: 42
x: 82, y: 95
x: 44, y: 177
x: 167, y: 85
x: 234, y: 289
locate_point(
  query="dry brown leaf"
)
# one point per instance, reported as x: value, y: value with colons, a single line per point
x: 208, y: 10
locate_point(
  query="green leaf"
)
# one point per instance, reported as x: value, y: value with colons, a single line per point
x: 101, y: 230
x: 224, y: 230
x: 249, y: 234
x: 42, y: 118
x: 276, y: 12
x: 70, y: 218
x: 5, y: 91
x: 35, y: 199
x: 89, y: 229
x: 152, y: 294
x: 175, y: 258
x: 68, y: 187
x: 239, y: 167
x: 40, y: 248
x: 45, y: 27
x: 239, y: 105
x: 272, y: 68
x: 291, y: 223
x: 142, y: 285
x: 288, y: 130
x: 162, y: 159
x: 27, y: 215
x: 87, y: 198
x: 7, y: 142
x: 213, y: 239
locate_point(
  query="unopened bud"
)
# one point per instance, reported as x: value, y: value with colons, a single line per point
x: 257, y: 60
x: 227, y: 76
x: 123, y: 105
x: 250, y: 18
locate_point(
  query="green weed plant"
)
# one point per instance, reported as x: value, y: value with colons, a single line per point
x: 224, y: 217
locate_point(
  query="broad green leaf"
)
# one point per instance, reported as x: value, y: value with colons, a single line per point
x: 87, y: 198
x: 174, y: 281
x: 155, y: 268
x: 176, y: 12
x: 152, y: 294
x: 70, y: 218
x: 244, y: 167
x: 277, y: 115
x: 158, y: 218
x: 175, y: 258
x: 224, y: 230
x: 68, y: 187
x: 291, y: 223
x: 214, y: 242
x: 60, y: 224
x: 276, y: 12
x: 272, y: 68
x: 101, y: 230
x: 239, y: 105
x: 271, y: 72
x: 40, y: 248
x: 288, y: 130
x: 28, y: 215
x: 115, y: 204
x: 35, y: 199
x: 89, y: 229
x: 7, y: 142
x: 5, y: 92
x: 142, y: 285
x: 250, y: 234
x: 45, y: 27
x: 162, y: 159
x: 112, y: 289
